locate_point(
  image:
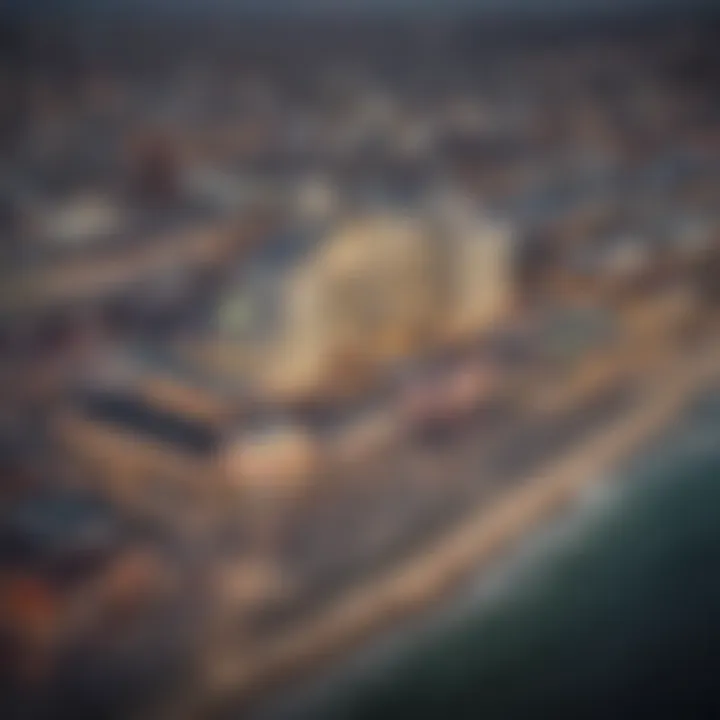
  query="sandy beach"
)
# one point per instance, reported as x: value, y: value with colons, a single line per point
x: 233, y: 676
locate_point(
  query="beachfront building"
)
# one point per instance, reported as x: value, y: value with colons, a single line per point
x: 325, y: 312
x: 481, y: 254
x: 160, y: 435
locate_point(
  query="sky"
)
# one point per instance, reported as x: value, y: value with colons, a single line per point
x: 339, y: 6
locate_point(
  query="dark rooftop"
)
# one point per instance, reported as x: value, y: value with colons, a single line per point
x: 131, y: 413
x: 59, y: 530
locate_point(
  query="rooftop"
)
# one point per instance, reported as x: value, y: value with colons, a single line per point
x: 128, y: 412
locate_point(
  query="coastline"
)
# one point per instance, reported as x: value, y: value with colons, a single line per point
x: 238, y: 678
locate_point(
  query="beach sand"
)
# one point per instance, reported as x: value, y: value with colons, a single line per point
x: 233, y: 675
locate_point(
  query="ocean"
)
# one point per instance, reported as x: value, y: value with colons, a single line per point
x: 611, y: 612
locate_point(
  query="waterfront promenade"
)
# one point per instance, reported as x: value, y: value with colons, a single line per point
x: 233, y: 674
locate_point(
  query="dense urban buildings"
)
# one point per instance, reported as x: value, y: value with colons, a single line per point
x: 281, y: 302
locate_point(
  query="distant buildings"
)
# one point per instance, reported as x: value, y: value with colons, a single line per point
x: 95, y: 258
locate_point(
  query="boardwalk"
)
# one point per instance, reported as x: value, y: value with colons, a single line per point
x: 234, y: 675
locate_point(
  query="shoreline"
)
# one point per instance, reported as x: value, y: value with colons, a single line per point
x: 240, y: 678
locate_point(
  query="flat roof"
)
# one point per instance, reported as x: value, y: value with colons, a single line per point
x: 128, y: 412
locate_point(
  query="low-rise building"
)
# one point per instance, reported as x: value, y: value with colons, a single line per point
x: 170, y: 441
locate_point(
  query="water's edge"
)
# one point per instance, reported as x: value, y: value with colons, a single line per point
x: 574, y: 615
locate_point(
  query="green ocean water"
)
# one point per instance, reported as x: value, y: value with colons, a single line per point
x: 615, y: 616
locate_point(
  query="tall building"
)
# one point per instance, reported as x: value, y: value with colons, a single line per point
x: 368, y: 293
x: 373, y: 291
x: 480, y: 257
